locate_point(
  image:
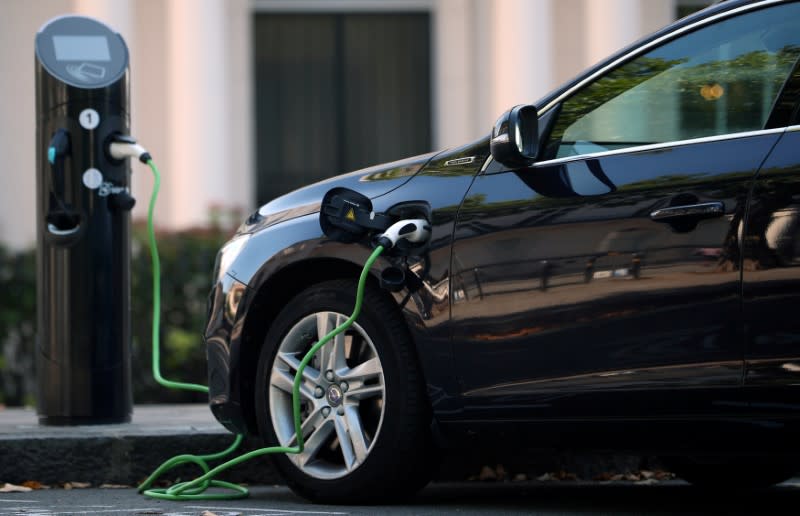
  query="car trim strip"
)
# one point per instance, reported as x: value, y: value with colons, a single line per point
x: 647, y: 46
x: 702, y: 210
x: 664, y: 145
x: 486, y: 163
x: 460, y: 161
x: 657, y: 146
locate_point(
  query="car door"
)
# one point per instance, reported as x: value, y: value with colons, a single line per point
x: 604, y: 281
x: 771, y: 272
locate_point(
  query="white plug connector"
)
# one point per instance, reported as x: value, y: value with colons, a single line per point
x: 126, y: 147
x: 414, y: 231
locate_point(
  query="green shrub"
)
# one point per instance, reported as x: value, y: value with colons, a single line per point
x: 17, y: 326
x: 187, y: 260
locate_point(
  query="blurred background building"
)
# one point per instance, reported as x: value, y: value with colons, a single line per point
x: 240, y: 101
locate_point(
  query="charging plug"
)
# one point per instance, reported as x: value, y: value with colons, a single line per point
x: 414, y: 231
x: 123, y: 146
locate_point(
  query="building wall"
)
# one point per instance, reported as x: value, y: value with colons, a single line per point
x: 192, y: 82
x: 19, y: 21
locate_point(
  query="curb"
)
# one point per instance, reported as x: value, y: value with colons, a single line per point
x: 128, y: 453
x: 119, y: 454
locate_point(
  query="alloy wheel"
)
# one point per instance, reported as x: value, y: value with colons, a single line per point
x: 342, y: 396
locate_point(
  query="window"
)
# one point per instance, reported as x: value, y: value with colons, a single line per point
x: 336, y: 92
x: 720, y: 79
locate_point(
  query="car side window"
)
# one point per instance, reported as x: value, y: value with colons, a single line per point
x: 720, y: 79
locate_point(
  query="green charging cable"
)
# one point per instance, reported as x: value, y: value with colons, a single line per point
x: 151, y: 234
x: 196, y: 489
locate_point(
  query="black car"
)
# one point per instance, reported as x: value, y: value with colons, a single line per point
x: 614, y: 268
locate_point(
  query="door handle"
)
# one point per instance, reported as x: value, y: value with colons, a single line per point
x: 704, y: 210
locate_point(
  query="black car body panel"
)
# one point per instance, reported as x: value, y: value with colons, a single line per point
x: 372, y: 182
x: 560, y: 325
x: 771, y: 284
x: 555, y: 298
x: 295, y: 244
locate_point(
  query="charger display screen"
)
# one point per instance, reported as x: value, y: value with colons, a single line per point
x: 81, y: 52
x: 81, y: 48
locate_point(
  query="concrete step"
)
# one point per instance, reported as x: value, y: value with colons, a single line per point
x: 123, y: 453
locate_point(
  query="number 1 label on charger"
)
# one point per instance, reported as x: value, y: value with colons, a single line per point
x: 89, y: 119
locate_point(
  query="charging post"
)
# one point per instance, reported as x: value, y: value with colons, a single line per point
x: 83, y: 205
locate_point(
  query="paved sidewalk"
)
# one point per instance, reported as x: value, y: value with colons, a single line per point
x: 124, y: 453
x: 147, y: 420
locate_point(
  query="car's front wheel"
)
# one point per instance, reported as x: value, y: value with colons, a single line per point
x: 364, y: 412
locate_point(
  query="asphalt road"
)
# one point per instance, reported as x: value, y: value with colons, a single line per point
x: 534, y: 498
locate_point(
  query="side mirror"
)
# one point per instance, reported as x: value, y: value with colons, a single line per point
x: 515, y: 136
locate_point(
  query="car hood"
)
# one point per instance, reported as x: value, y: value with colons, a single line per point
x: 372, y: 182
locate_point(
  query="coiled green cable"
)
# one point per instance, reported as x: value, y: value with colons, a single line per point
x: 196, y: 489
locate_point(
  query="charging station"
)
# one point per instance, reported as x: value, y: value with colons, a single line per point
x: 83, y: 205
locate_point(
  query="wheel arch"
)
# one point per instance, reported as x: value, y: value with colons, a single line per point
x: 268, y: 300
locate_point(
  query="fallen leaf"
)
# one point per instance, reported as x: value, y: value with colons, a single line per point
x: 648, y: 482
x: 617, y: 477
x: 605, y: 476
x: 11, y: 488
x: 114, y: 486
x: 563, y: 475
x: 208, y: 513
x: 77, y: 485
x: 33, y: 484
x: 632, y: 477
x: 647, y: 475
x: 501, y: 472
x: 560, y: 475
x: 487, y: 474
x: 664, y: 475
x: 520, y: 477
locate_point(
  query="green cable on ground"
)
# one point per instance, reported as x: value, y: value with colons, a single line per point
x: 195, y: 489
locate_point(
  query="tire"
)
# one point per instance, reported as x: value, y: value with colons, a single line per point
x: 386, y: 408
x: 727, y: 473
